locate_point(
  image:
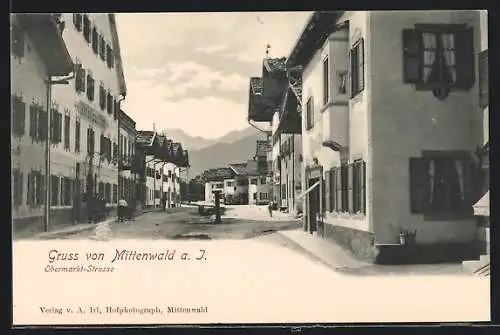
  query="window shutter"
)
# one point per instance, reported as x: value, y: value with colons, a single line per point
x: 59, y: 127
x: 412, y: 56
x: 419, y: 185
x: 327, y: 192
x: 338, y: 182
x: 361, y: 65
x: 362, y: 187
x: 333, y: 189
x: 29, y: 188
x: 483, y: 79
x: 42, y: 124
x: 465, y: 59
x: 41, y: 187
x: 350, y: 198
x: 88, y: 140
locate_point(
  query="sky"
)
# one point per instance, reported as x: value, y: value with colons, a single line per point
x: 191, y: 70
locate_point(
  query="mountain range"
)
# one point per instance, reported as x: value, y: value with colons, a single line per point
x: 237, y: 146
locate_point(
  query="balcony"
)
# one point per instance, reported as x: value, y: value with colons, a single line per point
x: 125, y: 163
x: 335, y: 127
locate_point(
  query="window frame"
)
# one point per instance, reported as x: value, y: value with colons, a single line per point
x: 326, y: 80
x: 357, y: 67
x: 18, y: 116
x: 309, y: 113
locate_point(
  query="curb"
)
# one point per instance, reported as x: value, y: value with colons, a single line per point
x: 76, y: 230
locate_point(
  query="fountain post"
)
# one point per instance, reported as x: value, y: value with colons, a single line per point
x: 217, y: 206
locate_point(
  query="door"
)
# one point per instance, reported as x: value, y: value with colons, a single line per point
x: 313, y: 199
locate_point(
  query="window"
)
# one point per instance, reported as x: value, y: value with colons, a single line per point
x: 102, y: 48
x: 109, y: 100
x: 332, y: 203
x: 254, y: 196
x: 107, y: 193
x: 66, y: 132
x: 283, y: 190
x: 42, y: 124
x: 110, y: 57
x: 230, y: 184
x: 17, y: 41
x: 326, y: 82
x: 86, y: 28
x: 218, y: 185
x: 17, y: 187
x: 438, y: 55
x: 102, y: 97
x: 115, y: 193
x: 263, y: 196
x: 342, y: 82
x: 77, y: 21
x: 36, y: 187
x: 95, y: 40
x: 77, y: 136
x: 101, y: 189
x: 440, y: 185
x: 90, y: 87
x: 254, y: 181
x: 483, y: 79
x: 169, y: 173
x: 115, y: 151
x: 54, y: 190
x: 34, y: 121
x: 116, y: 109
x: 157, y: 194
x: 263, y: 180
x: 90, y: 141
x: 18, y: 116
x: 309, y: 114
x: 357, y: 68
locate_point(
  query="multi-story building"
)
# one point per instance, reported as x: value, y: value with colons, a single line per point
x: 146, y: 150
x: 482, y: 207
x: 85, y: 114
x: 389, y: 127
x: 38, y: 53
x: 239, y: 195
x: 270, y: 98
x: 127, y: 188
x: 214, y: 181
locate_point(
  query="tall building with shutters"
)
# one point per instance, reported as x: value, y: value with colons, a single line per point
x: 85, y: 134
x: 390, y: 125
x: 38, y: 53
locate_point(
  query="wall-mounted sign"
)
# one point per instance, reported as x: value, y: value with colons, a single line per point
x: 90, y: 114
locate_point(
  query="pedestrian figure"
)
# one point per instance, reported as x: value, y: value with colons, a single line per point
x: 270, y: 208
x: 122, y: 208
x: 164, y: 202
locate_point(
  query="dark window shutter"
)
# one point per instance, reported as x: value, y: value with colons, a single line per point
x: 412, y: 56
x: 362, y: 187
x: 327, y: 192
x: 465, y: 59
x: 333, y: 189
x: 102, y: 144
x: 29, y: 189
x: 95, y: 40
x: 338, y: 182
x: 419, y: 185
x: 361, y: 65
x: 59, y: 127
x: 483, y: 79
x: 41, y: 188
x: 42, y: 124
x: 350, y: 198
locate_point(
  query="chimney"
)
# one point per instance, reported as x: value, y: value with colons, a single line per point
x: 154, y: 127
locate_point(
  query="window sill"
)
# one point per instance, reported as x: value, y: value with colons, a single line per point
x: 437, y: 217
x: 333, y: 103
x: 345, y: 215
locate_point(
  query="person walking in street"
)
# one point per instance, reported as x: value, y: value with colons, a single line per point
x: 164, y: 202
x: 270, y: 208
x: 122, y: 208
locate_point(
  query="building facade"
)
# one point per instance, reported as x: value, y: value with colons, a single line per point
x: 38, y: 53
x: 85, y: 114
x: 214, y: 181
x: 389, y: 126
x: 126, y: 145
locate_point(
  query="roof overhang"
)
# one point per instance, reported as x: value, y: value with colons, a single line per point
x: 46, y: 36
x: 317, y: 29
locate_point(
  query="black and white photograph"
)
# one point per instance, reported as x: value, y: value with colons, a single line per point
x: 250, y: 167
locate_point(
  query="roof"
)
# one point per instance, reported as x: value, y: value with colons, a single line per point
x: 145, y: 137
x: 261, y: 148
x: 275, y: 64
x: 257, y: 85
x: 317, y: 29
x: 176, y: 146
x: 239, y: 168
x: 117, y: 53
x: 161, y: 139
x: 45, y: 31
x: 218, y: 174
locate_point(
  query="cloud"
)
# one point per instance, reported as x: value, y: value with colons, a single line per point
x: 211, y: 48
x: 205, y: 116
